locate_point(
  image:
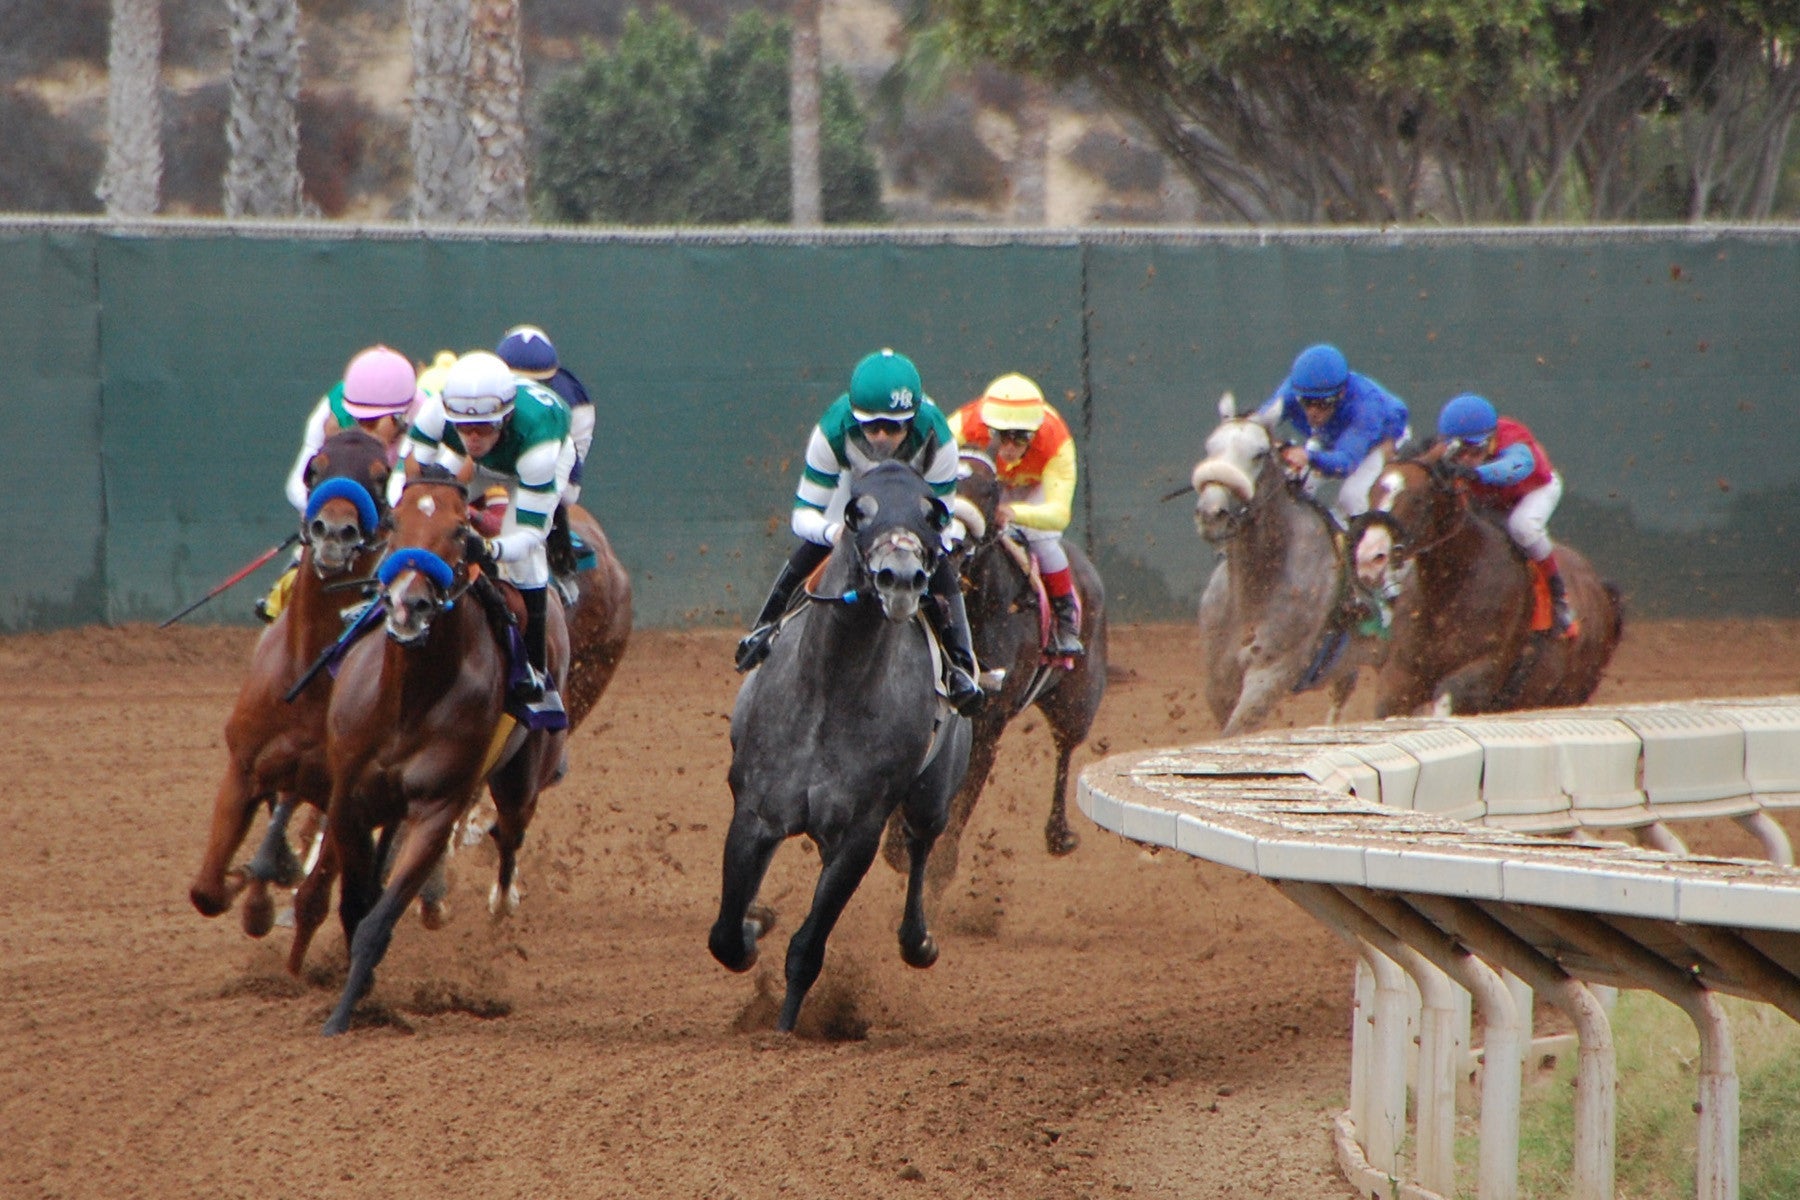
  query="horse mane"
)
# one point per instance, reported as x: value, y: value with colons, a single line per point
x: 438, y: 473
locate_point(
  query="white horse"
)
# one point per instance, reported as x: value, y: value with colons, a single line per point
x: 1276, y: 592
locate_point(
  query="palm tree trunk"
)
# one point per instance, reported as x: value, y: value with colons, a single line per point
x: 803, y: 115
x: 132, y: 179
x: 441, y: 148
x: 1031, y: 161
x: 262, y: 130
x: 496, y: 111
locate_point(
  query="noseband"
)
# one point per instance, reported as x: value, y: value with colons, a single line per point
x: 370, y: 519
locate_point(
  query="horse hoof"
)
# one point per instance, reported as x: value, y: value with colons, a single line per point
x: 1061, y: 843
x: 209, y: 904
x: 759, y: 920
x: 921, y: 955
x: 259, y: 913
x: 434, y: 914
x: 503, y: 904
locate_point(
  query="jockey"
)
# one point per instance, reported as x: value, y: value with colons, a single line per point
x: 1508, y: 471
x: 884, y: 415
x: 517, y: 430
x: 529, y: 352
x: 376, y: 394
x: 1034, y: 460
x: 1351, y: 424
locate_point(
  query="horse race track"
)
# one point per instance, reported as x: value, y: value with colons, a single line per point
x: 1104, y: 1024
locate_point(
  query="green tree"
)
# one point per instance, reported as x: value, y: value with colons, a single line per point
x: 1471, y: 110
x: 664, y: 129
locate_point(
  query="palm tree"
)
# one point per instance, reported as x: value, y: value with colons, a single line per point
x: 803, y: 114
x: 440, y: 138
x: 262, y: 130
x: 132, y: 179
x: 496, y: 111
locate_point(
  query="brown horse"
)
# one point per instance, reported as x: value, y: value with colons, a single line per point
x: 1463, y: 627
x: 416, y: 723
x: 599, y: 620
x: 274, y: 748
x: 1007, y: 625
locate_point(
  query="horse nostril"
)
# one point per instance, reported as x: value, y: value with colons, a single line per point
x: 918, y: 581
x: 319, y: 530
x: 885, y: 578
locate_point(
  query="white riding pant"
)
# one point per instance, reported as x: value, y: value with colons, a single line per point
x: 1046, y: 544
x: 1353, y: 494
x: 1529, y: 521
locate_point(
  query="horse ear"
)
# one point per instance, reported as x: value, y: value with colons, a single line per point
x: 860, y: 510
x: 1227, y: 407
x: 465, y: 472
x: 317, y: 465
x: 937, y: 512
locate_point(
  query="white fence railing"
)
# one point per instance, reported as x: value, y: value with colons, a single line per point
x: 1459, y: 857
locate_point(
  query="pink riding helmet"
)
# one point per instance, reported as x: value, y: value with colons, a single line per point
x: 379, y: 382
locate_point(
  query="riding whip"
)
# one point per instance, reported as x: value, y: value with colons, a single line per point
x: 236, y: 577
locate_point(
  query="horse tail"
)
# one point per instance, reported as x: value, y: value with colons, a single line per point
x: 1617, y: 631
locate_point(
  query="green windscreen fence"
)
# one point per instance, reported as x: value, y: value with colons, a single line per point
x: 160, y: 376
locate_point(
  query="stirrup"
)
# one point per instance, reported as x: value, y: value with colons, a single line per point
x: 1066, y: 643
x: 534, y: 687
x: 755, y: 646
x: 964, y: 694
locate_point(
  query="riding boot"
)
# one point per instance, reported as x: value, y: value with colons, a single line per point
x: 1065, y: 636
x: 537, y: 686
x: 754, y: 647
x: 558, y: 547
x: 1562, y: 613
x: 951, y: 621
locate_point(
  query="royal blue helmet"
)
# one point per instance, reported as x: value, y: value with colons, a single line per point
x: 528, y: 351
x: 1468, y: 418
x: 1320, y: 372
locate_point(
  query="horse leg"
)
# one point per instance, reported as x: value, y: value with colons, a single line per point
x: 515, y: 792
x: 1263, y: 688
x: 926, y: 810
x: 749, y: 845
x: 234, y: 807
x: 274, y: 862
x: 413, y: 860
x: 1342, y: 684
x: 434, y: 897
x: 312, y: 904
x: 1059, y: 839
x: 843, y: 868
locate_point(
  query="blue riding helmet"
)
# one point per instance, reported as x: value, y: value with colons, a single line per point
x: 1320, y: 372
x: 529, y: 351
x: 1468, y: 419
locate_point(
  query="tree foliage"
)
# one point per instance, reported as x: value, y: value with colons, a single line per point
x: 666, y: 129
x: 1469, y: 110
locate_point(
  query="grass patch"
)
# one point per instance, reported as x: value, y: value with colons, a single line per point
x: 1659, y: 1061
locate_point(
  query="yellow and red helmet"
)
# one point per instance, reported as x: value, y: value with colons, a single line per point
x: 1013, y: 402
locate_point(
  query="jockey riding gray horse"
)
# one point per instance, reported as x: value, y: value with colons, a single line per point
x: 1271, y: 617
x: 841, y: 726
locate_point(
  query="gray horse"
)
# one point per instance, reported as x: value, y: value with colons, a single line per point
x: 1276, y: 590
x: 840, y: 727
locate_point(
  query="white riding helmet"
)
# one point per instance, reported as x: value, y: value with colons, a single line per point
x: 478, y: 389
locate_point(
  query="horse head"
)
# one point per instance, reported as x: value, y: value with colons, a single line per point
x: 425, y: 553
x: 1225, y: 480
x: 896, y: 525
x: 977, y: 500
x: 1411, y: 507
x: 346, y: 500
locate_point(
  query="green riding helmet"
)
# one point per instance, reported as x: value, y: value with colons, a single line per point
x: 885, y: 387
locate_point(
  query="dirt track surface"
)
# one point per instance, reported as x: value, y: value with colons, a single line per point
x: 1109, y: 1023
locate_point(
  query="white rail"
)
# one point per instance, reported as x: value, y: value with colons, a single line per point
x: 1423, y: 844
